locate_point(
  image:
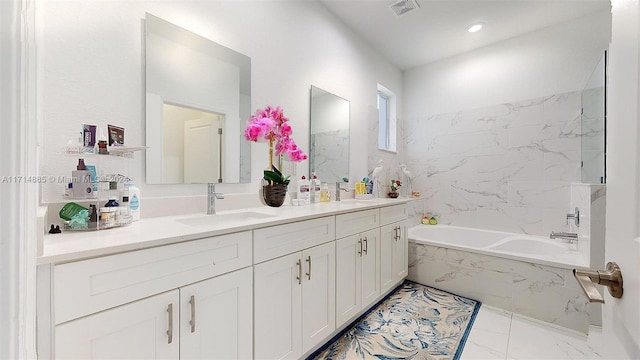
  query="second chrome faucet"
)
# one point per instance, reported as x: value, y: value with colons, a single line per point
x: 212, y: 195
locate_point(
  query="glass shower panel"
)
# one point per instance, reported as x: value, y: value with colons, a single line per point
x: 594, y: 126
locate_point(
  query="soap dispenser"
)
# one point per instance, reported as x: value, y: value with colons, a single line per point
x: 303, y: 191
x: 315, y: 189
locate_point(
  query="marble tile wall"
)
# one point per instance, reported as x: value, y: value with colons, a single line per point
x: 542, y: 292
x: 590, y: 199
x: 506, y: 167
x: 329, y: 155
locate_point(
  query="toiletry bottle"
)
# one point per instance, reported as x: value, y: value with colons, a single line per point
x: 68, y: 191
x: 315, y: 185
x: 134, y: 202
x: 113, y: 204
x: 81, y: 178
x: 325, y: 196
x: 93, y: 217
x: 124, y: 201
x: 303, y: 191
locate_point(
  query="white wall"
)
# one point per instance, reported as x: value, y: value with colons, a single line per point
x: 554, y: 60
x: 90, y: 61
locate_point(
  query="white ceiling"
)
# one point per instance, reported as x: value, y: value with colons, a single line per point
x: 438, y: 29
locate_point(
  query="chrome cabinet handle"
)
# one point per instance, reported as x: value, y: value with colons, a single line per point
x: 399, y: 232
x: 192, y: 322
x: 170, y: 331
x: 395, y: 233
x: 366, y: 245
x: 360, y: 251
x: 309, y: 273
x: 299, y: 277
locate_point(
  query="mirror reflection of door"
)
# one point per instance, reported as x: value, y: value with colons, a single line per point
x: 202, y: 143
x: 192, y: 144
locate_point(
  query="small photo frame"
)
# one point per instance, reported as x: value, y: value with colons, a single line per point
x: 116, y: 135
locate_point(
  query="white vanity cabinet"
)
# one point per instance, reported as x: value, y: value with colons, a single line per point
x: 216, y: 319
x: 269, y: 290
x: 145, y: 329
x: 211, y: 319
x: 357, y: 266
x: 294, y: 294
x: 294, y: 302
x: 393, y: 246
x: 135, y: 304
x: 394, y: 252
x: 357, y: 262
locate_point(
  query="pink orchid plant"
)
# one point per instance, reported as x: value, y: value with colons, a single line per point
x: 270, y: 125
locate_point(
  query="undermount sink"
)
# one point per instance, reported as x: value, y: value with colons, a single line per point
x: 224, y: 218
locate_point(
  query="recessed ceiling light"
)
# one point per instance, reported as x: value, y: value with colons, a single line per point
x: 475, y: 28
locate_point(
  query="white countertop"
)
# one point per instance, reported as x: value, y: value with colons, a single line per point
x: 146, y: 233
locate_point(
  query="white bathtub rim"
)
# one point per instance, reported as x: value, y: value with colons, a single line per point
x: 569, y: 260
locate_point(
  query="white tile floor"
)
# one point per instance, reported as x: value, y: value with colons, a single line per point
x: 499, y: 334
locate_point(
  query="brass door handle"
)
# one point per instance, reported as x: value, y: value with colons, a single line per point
x: 611, y: 277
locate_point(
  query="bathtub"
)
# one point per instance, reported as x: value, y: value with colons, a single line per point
x: 536, y: 249
x: 523, y: 274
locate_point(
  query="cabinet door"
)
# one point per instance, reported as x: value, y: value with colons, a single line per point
x: 145, y: 329
x: 216, y: 317
x: 277, y: 308
x: 370, y: 267
x: 388, y: 235
x: 400, y: 253
x: 349, y: 278
x: 318, y: 294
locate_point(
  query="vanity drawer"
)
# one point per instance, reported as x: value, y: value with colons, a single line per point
x: 356, y: 222
x: 88, y: 286
x: 275, y: 241
x: 393, y: 213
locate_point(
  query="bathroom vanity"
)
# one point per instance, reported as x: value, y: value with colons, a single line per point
x: 255, y: 283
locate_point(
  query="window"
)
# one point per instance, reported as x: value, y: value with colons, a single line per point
x: 386, y: 119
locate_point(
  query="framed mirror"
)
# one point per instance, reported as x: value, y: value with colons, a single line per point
x: 329, y: 136
x: 198, y: 97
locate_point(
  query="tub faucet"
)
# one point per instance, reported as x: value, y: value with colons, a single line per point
x: 563, y: 235
x: 212, y: 195
x: 575, y: 217
x: 338, y: 188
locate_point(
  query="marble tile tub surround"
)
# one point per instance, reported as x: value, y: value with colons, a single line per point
x: 542, y: 292
x: 506, y: 167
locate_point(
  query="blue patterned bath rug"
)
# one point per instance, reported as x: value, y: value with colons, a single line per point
x: 413, y: 322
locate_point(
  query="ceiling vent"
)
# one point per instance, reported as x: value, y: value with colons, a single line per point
x: 404, y: 6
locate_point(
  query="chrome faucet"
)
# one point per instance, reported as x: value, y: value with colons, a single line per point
x: 212, y: 195
x: 575, y: 216
x: 338, y: 188
x: 563, y: 235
